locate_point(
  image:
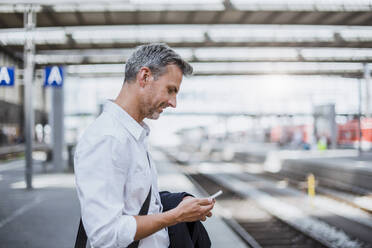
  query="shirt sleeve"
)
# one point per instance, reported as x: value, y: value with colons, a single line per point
x: 100, y: 184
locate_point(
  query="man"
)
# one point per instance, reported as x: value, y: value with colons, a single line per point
x: 114, y: 171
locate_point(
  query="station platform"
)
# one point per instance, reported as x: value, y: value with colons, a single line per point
x: 352, y: 172
x: 344, y: 168
x: 48, y: 215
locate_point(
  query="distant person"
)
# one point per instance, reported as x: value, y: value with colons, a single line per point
x: 322, y: 143
x: 115, y: 175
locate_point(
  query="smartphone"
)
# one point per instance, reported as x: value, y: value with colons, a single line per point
x: 217, y: 194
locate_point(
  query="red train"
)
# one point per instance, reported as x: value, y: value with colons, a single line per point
x: 348, y: 134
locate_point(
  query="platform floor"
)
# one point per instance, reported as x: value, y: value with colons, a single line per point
x: 48, y: 215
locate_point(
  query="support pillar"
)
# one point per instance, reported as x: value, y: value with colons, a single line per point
x: 29, y: 51
x: 359, y: 116
x: 57, y: 121
x: 367, y: 102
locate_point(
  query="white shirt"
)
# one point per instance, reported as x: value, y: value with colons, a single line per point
x: 113, y: 178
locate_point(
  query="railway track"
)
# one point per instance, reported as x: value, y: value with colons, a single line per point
x: 267, y: 229
x: 359, y: 198
x: 331, y: 224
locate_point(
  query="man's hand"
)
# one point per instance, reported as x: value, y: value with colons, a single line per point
x: 190, y: 209
x: 193, y: 209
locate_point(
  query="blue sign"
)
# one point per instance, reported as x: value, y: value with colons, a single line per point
x: 53, y: 76
x: 6, y: 76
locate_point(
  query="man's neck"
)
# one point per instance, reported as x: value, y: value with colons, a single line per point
x: 129, y: 103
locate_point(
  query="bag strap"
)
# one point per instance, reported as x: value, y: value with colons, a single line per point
x: 81, y: 237
x: 144, y: 210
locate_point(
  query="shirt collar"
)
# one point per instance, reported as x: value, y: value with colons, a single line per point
x: 139, y: 131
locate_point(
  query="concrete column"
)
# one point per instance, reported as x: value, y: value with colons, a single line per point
x: 333, y: 125
x: 359, y: 116
x: 29, y: 51
x: 57, y: 124
x: 367, y: 102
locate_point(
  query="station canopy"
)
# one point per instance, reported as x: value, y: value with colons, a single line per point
x: 228, y: 37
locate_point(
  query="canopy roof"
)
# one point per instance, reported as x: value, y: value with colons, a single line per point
x: 232, y: 33
x: 115, y: 12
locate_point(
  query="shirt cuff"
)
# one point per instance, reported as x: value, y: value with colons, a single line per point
x: 127, y: 230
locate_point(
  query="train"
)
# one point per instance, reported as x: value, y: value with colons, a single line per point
x: 347, y: 134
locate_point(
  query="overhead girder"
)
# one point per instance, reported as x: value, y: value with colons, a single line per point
x: 71, y: 13
x: 213, y: 54
x: 352, y: 70
x: 206, y: 43
x: 193, y: 36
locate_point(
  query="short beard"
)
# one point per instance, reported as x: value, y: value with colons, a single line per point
x: 151, y: 113
x: 154, y: 116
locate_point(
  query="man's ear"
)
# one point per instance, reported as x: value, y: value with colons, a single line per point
x: 143, y: 76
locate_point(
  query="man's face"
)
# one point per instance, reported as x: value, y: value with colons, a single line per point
x: 162, y: 93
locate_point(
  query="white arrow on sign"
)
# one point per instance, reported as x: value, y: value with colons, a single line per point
x: 4, y: 75
x: 55, y: 75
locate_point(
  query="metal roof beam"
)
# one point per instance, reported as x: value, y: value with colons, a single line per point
x: 243, y: 18
x: 3, y: 23
x: 348, y: 18
x: 80, y: 18
x: 254, y: 5
x: 206, y: 42
x: 272, y: 17
x: 108, y: 18
x: 19, y: 17
x: 218, y: 69
x: 84, y: 59
x: 297, y: 16
x: 48, y: 10
x: 340, y: 13
x: 196, y: 33
x: 120, y: 74
x: 163, y: 17
x: 12, y: 54
x: 368, y: 21
x: 215, y: 54
x: 190, y: 17
x: 323, y: 18
x: 217, y: 17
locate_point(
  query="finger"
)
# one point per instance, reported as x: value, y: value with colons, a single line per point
x: 205, y: 201
x: 203, y: 219
x: 209, y: 214
x: 206, y: 209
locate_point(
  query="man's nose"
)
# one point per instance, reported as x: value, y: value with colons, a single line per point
x: 173, y: 102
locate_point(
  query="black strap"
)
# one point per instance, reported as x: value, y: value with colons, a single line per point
x: 81, y: 238
x: 144, y: 210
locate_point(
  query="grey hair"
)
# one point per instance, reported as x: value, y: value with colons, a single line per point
x: 156, y: 57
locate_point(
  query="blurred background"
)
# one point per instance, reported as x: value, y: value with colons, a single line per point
x: 263, y: 69
x: 275, y: 81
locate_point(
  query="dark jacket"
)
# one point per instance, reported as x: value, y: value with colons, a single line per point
x: 185, y: 234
